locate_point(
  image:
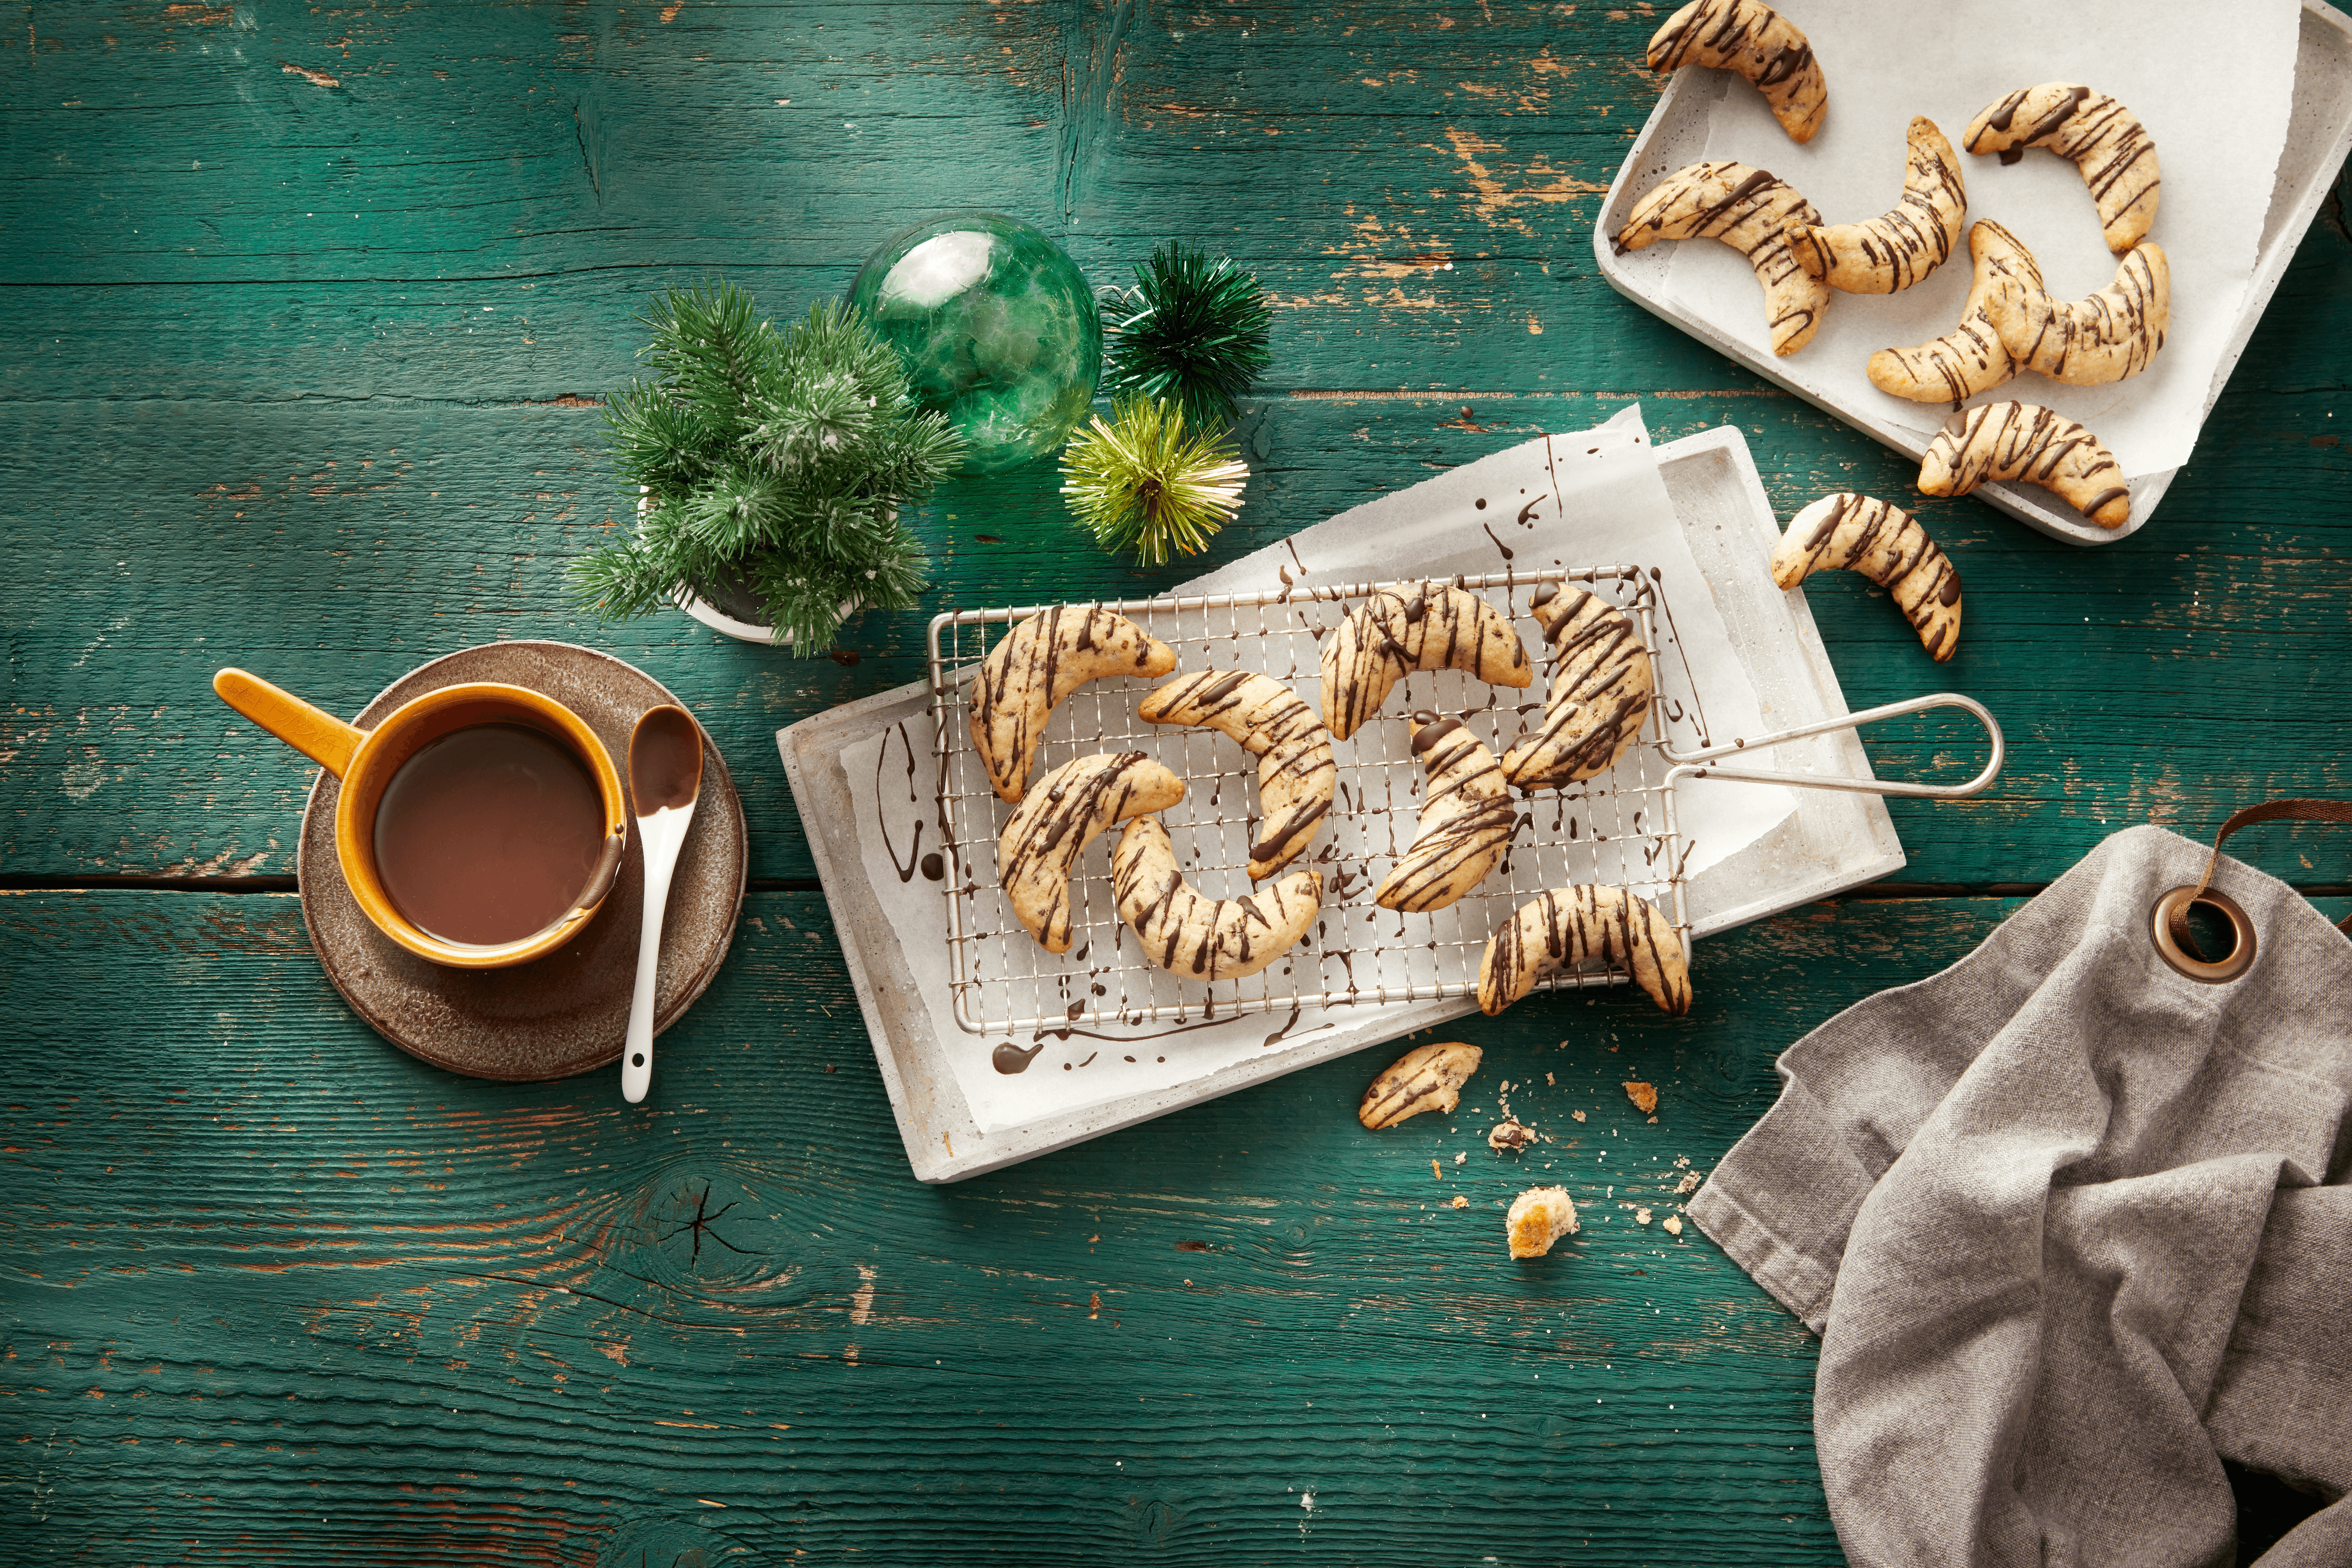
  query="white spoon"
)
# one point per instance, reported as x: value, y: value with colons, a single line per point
x: 664, y: 778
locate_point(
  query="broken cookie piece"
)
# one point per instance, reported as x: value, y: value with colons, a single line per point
x: 1539, y: 1217
x: 1510, y: 1135
x: 1426, y: 1078
x: 1644, y: 1097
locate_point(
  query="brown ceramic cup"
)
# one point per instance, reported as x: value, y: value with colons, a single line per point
x: 366, y: 759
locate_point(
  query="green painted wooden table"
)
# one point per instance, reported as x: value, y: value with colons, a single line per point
x: 307, y: 314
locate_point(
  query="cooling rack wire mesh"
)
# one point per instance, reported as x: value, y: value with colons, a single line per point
x: 1617, y: 830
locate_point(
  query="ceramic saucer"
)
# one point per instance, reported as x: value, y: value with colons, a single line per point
x: 564, y: 1013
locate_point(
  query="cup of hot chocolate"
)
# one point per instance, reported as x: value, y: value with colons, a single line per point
x: 479, y: 826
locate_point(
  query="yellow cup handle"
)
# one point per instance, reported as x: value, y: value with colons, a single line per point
x: 320, y: 737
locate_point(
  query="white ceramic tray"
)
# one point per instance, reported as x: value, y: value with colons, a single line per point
x: 1833, y: 842
x: 2319, y: 134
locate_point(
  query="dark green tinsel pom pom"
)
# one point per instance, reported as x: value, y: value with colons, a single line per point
x: 1192, y: 331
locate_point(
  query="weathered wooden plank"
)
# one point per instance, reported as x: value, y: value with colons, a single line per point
x: 294, y: 1291
x: 270, y: 1290
x: 1416, y: 189
x: 332, y: 546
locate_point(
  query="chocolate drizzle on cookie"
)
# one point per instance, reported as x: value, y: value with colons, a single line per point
x: 2097, y: 134
x: 2112, y: 335
x: 1573, y: 926
x: 1888, y: 253
x: 2024, y: 440
x: 1467, y: 819
x: 1970, y: 358
x: 1600, y: 695
x: 1061, y: 814
x: 1750, y: 211
x: 1385, y: 639
x: 1884, y: 543
x: 1751, y: 38
x: 1039, y: 663
x: 1295, y: 773
x: 1200, y: 938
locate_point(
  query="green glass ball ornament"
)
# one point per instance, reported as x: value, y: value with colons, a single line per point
x: 997, y: 328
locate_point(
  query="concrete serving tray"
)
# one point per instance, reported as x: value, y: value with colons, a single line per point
x: 2319, y: 134
x: 1833, y: 842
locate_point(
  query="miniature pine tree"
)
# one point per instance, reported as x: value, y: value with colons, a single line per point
x: 1192, y: 331
x: 779, y: 460
x: 1143, y: 482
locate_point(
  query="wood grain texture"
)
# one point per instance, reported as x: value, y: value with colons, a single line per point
x: 338, y: 444
x: 299, y: 1293
x: 330, y: 548
x: 305, y: 312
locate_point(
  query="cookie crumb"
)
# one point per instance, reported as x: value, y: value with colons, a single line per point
x: 1548, y: 1078
x: 1578, y: 1114
x: 1460, y: 1201
x: 1689, y: 1183
x: 1436, y: 1172
x: 1641, y: 1215
x: 1462, y: 1156
x: 1539, y: 1217
x: 1674, y: 1226
x: 1644, y: 1097
x: 1509, y: 1136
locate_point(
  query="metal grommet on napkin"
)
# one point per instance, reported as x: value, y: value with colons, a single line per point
x: 2169, y: 930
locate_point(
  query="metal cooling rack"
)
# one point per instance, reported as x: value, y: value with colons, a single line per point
x: 1618, y: 830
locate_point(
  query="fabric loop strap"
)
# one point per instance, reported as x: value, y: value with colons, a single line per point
x: 2299, y: 811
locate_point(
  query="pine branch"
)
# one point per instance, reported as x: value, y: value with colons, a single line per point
x: 780, y: 460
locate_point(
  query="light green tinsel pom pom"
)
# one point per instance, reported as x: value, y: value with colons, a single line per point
x: 1142, y: 482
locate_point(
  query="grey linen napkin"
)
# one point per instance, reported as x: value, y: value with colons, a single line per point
x: 2072, y: 1228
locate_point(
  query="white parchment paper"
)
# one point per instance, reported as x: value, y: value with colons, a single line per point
x: 2213, y: 85
x: 1587, y: 498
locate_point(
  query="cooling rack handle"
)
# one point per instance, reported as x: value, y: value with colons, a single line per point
x: 1700, y: 764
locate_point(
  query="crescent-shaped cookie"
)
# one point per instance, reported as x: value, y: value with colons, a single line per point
x: 1749, y: 211
x: 1467, y: 818
x: 1274, y: 724
x: 1040, y: 661
x: 1408, y: 627
x: 1886, y: 545
x: 2106, y: 142
x: 1969, y: 359
x: 2025, y: 440
x: 1204, y: 938
x: 1570, y: 925
x: 1600, y: 694
x: 1062, y: 813
x: 1887, y: 255
x: 1757, y: 42
x: 2090, y: 342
